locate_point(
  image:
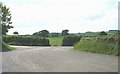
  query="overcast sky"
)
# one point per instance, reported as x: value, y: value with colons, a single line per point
x: 29, y: 16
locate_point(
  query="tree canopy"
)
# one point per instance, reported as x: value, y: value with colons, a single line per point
x: 102, y: 33
x: 5, y: 17
x: 15, y: 33
x: 43, y: 33
x: 65, y: 32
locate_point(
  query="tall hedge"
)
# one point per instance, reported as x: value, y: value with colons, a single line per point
x: 70, y: 40
x: 26, y: 40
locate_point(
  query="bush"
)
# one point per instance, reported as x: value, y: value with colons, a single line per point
x: 26, y: 40
x: 103, y: 33
x: 70, y: 40
x: 107, y: 39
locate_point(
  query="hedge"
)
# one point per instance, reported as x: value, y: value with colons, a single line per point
x: 100, y: 44
x: 70, y: 40
x: 26, y: 40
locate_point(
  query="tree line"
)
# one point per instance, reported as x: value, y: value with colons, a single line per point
x: 46, y: 33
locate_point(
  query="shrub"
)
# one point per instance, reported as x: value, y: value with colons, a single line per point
x: 70, y: 40
x: 103, y: 33
x: 26, y: 40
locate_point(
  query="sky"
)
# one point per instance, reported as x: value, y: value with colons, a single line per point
x: 29, y: 16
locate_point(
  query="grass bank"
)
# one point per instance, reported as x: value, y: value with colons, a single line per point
x: 6, y: 47
x: 95, y: 46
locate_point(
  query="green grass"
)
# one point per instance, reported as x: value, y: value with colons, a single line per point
x: 55, y: 41
x: 98, y: 47
x: 6, y: 47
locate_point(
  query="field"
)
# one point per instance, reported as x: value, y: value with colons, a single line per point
x: 55, y: 41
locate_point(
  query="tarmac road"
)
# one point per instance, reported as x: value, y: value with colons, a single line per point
x: 56, y: 59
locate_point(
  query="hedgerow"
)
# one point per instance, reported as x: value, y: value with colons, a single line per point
x: 70, y: 40
x: 26, y: 40
x: 100, y: 44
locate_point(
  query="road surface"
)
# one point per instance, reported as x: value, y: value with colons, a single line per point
x: 56, y: 59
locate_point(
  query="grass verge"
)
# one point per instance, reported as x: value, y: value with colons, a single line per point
x: 6, y: 47
x: 98, y: 47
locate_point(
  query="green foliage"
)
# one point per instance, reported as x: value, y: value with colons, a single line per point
x: 70, y: 40
x: 113, y: 32
x: 65, y: 32
x: 6, y: 47
x: 26, y: 40
x: 54, y: 34
x: 43, y: 33
x: 102, y: 45
x: 102, y: 33
x: 15, y: 33
x: 55, y: 41
x: 5, y: 19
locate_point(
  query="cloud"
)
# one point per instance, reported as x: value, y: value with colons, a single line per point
x: 56, y: 15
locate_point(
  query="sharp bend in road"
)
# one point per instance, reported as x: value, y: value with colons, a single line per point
x: 56, y: 59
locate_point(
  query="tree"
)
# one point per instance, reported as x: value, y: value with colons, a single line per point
x: 5, y: 18
x: 102, y: 33
x: 35, y: 34
x: 43, y: 33
x: 15, y: 33
x: 65, y: 32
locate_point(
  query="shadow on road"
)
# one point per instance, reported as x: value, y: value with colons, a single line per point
x: 5, y: 50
